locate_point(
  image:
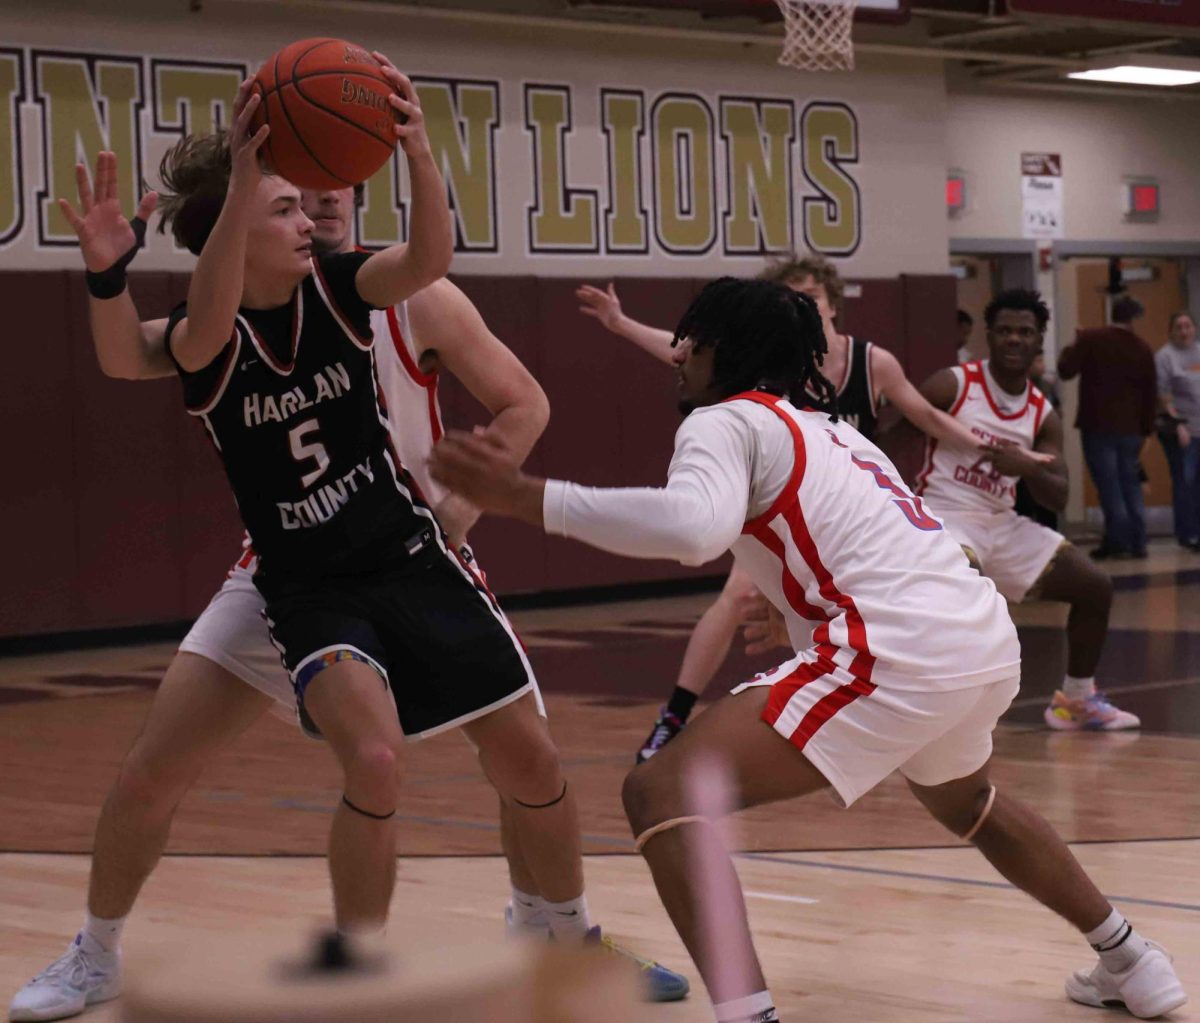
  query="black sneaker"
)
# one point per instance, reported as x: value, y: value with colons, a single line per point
x: 665, y: 729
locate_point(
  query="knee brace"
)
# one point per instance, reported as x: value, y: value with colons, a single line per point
x: 657, y: 829
x: 983, y: 814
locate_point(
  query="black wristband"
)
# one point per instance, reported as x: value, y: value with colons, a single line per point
x: 111, y: 282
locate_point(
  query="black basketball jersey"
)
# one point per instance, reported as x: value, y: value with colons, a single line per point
x: 856, y: 395
x: 293, y: 405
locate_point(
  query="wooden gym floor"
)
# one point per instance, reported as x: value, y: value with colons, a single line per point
x: 874, y: 914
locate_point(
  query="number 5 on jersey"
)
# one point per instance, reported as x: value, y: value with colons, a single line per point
x: 313, y: 451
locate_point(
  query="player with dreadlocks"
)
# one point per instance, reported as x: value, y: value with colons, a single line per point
x: 865, y: 377
x: 905, y: 656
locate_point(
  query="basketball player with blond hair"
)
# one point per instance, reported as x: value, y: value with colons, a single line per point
x: 866, y: 377
x: 905, y: 656
x: 227, y: 673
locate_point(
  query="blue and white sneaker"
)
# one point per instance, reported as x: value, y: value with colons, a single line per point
x: 660, y: 984
x: 68, y: 985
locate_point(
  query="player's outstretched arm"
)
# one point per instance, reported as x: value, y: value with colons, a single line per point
x: 606, y: 307
x: 896, y: 388
x: 397, y: 272
x: 1043, y: 469
x: 216, y: 287
x: 693, y: 519
x: 125, y: 348
x: 444, y: 319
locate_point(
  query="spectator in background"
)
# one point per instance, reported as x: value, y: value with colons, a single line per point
x: 1025, y: 504
x: 1178, y: 368
x: 1117, y: 399
x: 966, y: 323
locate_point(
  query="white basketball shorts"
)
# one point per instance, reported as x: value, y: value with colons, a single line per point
x: 1013, y: 550
x: 856, y: 733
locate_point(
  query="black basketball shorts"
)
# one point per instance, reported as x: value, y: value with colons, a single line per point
x: 428, y: 626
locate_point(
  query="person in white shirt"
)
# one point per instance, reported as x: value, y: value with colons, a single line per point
x: 905, y: 656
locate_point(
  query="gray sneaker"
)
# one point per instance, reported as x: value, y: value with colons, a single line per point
x: 68, y: 985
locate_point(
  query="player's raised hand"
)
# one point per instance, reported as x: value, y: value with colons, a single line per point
x: 245, y: 143
x: 410, y: 127
x: 600, y: 305
x: 105, y: 235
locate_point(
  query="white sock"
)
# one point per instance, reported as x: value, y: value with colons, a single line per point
x: 569, y: 921
x: 755, y: 1008
x: 527, y: 910
x: 1078, y: 688
x: 1117, y: 943
x: 100, y: 935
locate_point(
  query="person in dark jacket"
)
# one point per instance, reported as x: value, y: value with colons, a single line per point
x: 1117, y: 397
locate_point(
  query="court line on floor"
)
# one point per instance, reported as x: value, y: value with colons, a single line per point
x: 946, y: 879
x: 773, y: 897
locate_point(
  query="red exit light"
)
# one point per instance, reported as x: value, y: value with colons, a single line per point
x: 1145, y: 198
x: 955, y: 193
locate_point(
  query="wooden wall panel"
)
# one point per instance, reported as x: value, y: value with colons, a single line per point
x: 119, y: 512
x: 37, y: 508
x: 125, y: 457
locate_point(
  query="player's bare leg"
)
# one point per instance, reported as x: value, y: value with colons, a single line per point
x: 1075, y: 580
x: 521, y: 761
x: 1028, y: 852
x: 198, y: 710
x: 351, y: 705
x: 762, y: 767
x: 1020, y: 844
x: 707, y: 648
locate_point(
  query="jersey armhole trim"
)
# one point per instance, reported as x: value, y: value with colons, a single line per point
x: 343, y: 321
x: 235, y: 347
x: 790, y: 493
x: 868, y: 347
x: 963, y: 381
x: 406, y: 358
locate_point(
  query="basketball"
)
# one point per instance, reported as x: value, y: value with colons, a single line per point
x: 326, y: 101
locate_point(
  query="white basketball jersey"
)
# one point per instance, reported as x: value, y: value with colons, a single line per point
x: 414, y: 416
x: 847, y: 554
x: 410, y: 395
x: 955, y: 479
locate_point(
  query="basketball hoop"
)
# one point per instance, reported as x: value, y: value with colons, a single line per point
x: 816, y: 34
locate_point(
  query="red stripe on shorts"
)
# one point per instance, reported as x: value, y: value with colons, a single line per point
x: 783, y: 690
x: 827, y: 707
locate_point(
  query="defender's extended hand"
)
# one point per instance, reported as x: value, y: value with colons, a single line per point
x: 1013, y: 460
x: 600, y: 305
x: 482, y: 471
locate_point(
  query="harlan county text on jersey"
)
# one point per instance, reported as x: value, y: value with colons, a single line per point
x: 328, y: 383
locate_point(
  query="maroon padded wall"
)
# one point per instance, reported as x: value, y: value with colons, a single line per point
x: 116, y: 511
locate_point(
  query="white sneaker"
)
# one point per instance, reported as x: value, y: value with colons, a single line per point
x: 68, y: 985
x: 1147, y: 989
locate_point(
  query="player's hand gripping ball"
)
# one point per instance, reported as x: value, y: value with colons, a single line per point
x: 328, y: 103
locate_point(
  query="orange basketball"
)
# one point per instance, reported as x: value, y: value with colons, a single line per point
x: 326, y: 101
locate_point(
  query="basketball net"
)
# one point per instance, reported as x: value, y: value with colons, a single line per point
x: 816, y: 34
